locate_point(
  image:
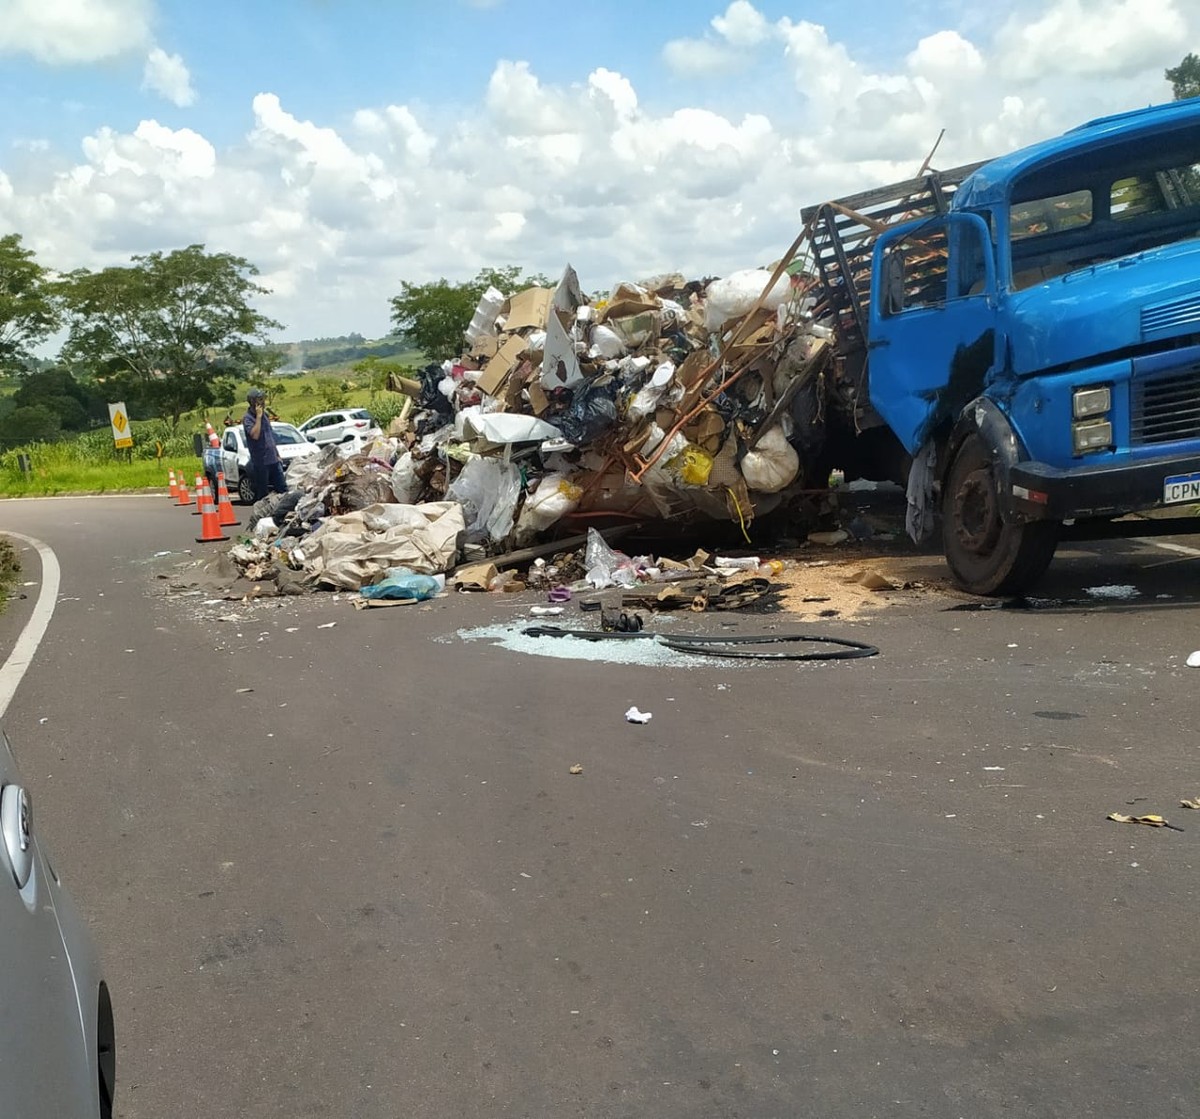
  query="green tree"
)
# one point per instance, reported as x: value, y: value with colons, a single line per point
x: 55, y: 388
x: 170, y: 331
x: 434, y: 316
x: 333, y: 393
x: 1185, y: 78
x: 31, y: 424
x: 28, y: 310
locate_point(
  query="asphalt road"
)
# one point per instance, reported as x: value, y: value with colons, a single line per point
x: 369, y: 887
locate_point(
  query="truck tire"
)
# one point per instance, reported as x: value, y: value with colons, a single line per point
x: 986, y: 554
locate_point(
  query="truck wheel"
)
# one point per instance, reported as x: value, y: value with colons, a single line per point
x: 246, y: 490
x: 986, y: 555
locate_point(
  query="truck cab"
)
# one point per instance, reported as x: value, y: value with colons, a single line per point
x: 1033, y: 341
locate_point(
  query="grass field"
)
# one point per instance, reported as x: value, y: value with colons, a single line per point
x: 87, y: 463
x: 112, y: 477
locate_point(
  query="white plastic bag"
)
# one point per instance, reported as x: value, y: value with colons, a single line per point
x: 606, y: 343
x: 733, y: 296
x: 556, y: 496
x: 488, y: 491
x: 605, y: 566
x: 647, y: 397
x: 773, y: 464
x: 405, y: 483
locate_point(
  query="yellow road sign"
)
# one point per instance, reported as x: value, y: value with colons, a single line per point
x: 120, y: 425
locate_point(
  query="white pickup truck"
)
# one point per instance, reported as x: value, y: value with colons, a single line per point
x: 235, y: 457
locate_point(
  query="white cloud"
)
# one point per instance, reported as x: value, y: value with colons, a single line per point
x: 74, y: 31
x: 946, y: 57
x: 519, y: 104
x: 700, y: 58
x: 738, y: 31
x: 167, y: 75
x: 597, y: 170
x: 742, y: 25
x: 1103, y: 37
x: 741, y: 29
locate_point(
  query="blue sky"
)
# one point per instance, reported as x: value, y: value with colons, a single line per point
x: 327, y: 58
x: 345, y: 145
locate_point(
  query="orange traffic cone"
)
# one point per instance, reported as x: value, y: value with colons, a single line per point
x: 226, y: 517
x: 184, y: 499
x: 201, y: 487
x: 210, y: 527
x: 174, y: 487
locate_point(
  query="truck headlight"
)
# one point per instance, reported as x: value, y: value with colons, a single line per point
x: 1091, y: 402
x: 1094, y: 435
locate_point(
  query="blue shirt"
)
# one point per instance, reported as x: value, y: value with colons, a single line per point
x: 262, y: 450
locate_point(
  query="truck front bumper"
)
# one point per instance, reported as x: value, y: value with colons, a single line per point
x: 1042, y: 492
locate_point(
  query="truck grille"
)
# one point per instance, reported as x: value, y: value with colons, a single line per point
x: 1166, y: 408
x: 1171, y: 316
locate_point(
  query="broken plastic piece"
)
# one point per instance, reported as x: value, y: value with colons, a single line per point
x: 633, y: 715
x: 575, y: 770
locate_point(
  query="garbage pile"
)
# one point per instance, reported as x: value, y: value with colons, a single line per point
x: 668, y: 399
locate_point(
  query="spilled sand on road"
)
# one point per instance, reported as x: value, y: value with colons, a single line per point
x: 813, y: 585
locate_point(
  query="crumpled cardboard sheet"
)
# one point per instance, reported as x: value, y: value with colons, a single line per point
x: 357, y: 548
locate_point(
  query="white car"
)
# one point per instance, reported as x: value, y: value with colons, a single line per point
x: 339, y: 426
x: 235, y: 456
x: 57, y: 1041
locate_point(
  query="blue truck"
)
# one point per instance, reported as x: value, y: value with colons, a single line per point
x: 1019, y: 342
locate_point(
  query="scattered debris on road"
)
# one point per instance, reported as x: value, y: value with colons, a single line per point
x: 1151, y: 820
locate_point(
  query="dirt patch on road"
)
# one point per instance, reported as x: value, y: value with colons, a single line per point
x: 856, y: 586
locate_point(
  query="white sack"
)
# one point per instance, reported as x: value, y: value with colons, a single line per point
x: 556, y: 496
x: 733, y: 296
x: 405, y: 483
x: 773, y: 464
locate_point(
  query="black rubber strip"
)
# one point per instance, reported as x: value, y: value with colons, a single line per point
x: 723, y: 646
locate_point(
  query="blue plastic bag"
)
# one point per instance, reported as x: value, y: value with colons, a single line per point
x: 400, y: 582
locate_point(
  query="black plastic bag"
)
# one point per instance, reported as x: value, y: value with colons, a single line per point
x: 430, y: 398
x: 591, y: 413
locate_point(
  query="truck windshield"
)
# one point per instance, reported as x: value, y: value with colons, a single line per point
x: 1102, y: 205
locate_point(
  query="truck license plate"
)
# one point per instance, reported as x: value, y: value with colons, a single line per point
x: 1181, y: 487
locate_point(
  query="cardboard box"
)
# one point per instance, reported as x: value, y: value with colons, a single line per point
x: 501, y: 365
x: 474, y: 577
x: 527, y: 310
x: 485, y: 347
x: 629, y: 299
x: 538, y: 399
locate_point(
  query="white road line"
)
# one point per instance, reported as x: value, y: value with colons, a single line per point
x: 23, y: 651
x: 1166, y: 546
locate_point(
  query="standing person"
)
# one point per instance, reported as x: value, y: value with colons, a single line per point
x: 265, y: 471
